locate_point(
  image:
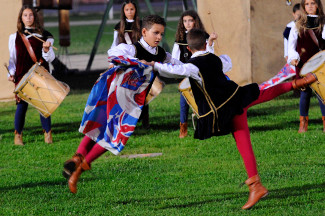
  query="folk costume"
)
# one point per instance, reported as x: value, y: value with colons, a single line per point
x: 181, y: 53
x: 19, y: 64
x: 223, y: 105
x: 127, y: 33
x: 92, y: 147
x: 302, y: 46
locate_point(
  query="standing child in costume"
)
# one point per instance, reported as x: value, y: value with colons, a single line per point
x: 307, y: 38
x: 21, y: 61
x: 188, y: 20
x: 146, y: 48
x: 290, y: 25
x: 128, y: 29
x: 223, y: 105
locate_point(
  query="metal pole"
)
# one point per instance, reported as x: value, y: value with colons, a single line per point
x: 165, y: 9
x: 150, y: 7
x: 99, y: 34
x: 194, y: 5
x: 185, y: 5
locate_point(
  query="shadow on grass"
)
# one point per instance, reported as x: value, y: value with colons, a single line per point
x: 284, y: 125
x: 282, y: 193
x: 56, y: 127
x: 45, y: 184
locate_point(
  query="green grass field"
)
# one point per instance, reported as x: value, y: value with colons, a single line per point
x: 191, y: 177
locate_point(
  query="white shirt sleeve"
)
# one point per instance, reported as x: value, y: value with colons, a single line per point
x: 169, y: 59
x: 115, y: 39
x: 292, y: 45
x: 226, y: 63
x: 178, y: 71
x: 122, y: 50
x: 323, y: 33
x: 12, y: 54
x: 210, y: 49
x: 50, y: 55
x: 176, y: 53
x: 285, y: 45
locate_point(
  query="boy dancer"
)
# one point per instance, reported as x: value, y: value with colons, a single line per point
x: 147, y: 49
x: 223, y: 104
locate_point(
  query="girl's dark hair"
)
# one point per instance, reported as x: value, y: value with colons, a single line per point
x: 180, y: 33
x: 302, y: 21
x: 36, y: 24
x: 136, y: 33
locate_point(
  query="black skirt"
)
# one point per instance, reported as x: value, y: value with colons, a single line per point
x: 221, y: 124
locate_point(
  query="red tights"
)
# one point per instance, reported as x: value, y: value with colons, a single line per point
x: 240, y: 127
x: 90, y: 149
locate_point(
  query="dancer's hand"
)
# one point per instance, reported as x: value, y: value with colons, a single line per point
x: 11, y: 78
x: 294, y: 62
x: 213, y: 36
x: 46, y: 46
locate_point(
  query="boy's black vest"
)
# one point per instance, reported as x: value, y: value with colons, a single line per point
x: 218, y: 99
x: 142, y: 54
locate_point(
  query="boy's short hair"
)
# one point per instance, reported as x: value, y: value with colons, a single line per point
x: 148, y: 21
x: 196, y: 39
x: 296, y: 7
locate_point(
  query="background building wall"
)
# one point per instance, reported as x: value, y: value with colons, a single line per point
x: 250, y: 32
x: 9, y: 16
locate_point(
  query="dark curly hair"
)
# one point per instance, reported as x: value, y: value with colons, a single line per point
x: 180, y: 33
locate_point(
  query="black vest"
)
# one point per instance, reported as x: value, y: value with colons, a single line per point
x: 24, y: 61
x: 218, y: 99
x: 185, y: 54
x: 142, y: 54
x: 306, y: 46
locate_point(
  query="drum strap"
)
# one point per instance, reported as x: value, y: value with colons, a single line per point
x: 313, y: 36
x: 29, y: 48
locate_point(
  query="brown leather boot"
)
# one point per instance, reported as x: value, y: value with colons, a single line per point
x: 71, y: 165
x: 73, y: 180
x: 256, y: 191
x: 323, y: 118
x: 304, y: 82
x: 183, y: 130
x: 303, y: 124
x: 18, y: 138
x: 48, y: 137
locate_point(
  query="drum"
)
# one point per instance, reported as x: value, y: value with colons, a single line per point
x: 186, y: 90
x: 316, y: 65
x: 40, y: 89
x: 156, y: 87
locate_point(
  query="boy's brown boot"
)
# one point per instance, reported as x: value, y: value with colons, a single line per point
x: 304, y: 82
x: 256, y: 191
x: 48, y: 137
x: 18, y: 138
x: 71, y: 165
x: 183, y: 130
x: 303, y: 126
x: 73, y: 180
